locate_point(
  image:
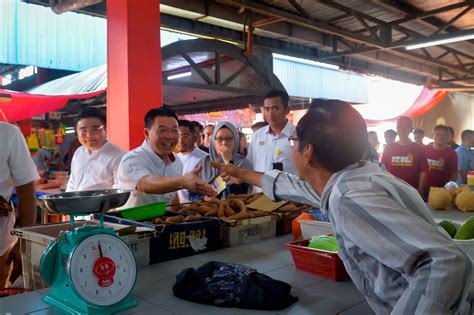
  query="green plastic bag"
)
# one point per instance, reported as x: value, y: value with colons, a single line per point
x: 324, y: 242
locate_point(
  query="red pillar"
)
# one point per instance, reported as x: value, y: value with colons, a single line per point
x: 134, y: 68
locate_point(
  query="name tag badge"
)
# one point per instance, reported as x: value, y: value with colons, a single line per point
x: 261, y: 143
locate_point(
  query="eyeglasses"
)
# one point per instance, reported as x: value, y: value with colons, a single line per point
x: 92, y: 131
x: 226, y: 139
x: 185, y: 136
x: 292, y: 139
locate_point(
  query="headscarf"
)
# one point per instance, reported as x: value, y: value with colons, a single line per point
x: 209, y: 172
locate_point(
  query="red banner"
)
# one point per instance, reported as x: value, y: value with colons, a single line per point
x: 15, y: 106
x: 425, y: 102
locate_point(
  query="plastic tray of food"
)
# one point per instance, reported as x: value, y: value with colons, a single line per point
x: 143, y: 212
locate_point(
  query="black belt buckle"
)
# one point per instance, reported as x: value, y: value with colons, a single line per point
x: 278, y: 166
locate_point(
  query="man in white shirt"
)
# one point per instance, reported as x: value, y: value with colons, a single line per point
x: 16, y: 170
x: 207, y: 135
x: 270, y: 148
x: 189, y: 154
x: 94, y: 164
x: 153, y: 171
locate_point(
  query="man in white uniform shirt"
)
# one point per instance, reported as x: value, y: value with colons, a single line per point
x: 153, y: 171
x: 16, y: 170
x: 270, y: 148
x: 189, y: 154
x: 94, y: 164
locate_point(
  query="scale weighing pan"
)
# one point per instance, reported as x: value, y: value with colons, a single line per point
x: 88, y: 201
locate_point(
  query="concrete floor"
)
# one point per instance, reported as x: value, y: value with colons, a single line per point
x: 153, y: 289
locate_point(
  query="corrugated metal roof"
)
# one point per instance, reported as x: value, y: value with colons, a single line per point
x: 306, y: 80
x: 325, y: 12
x: 78, y: 83
x: 34, y: 35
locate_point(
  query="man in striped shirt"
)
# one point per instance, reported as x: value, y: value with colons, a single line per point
x: 392, y: 248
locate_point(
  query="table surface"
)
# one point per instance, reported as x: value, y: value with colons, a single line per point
x: 453, y: 214
x: 153, y: 288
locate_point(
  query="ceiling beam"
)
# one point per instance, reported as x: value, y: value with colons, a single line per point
x: 382, y: 24
x: 453, y: 20
x: 423, y: 14
x: 324, y: 27
x: 409, y: 10
x: 219, y: 88
x: 202, y: 107
x: 299, y: 8
x: 300, y: 20
x: 454, y: 80
x: 398, y: 71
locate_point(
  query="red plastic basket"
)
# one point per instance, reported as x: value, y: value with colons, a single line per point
x: 318, y: 262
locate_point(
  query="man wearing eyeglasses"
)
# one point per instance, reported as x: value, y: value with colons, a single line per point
x: 269, y: 148
x: 152, y: 170
x: 392, y: 248
x: 189, y: 154
x: 94, y: 164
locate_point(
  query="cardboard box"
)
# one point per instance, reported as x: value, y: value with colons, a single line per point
x: 180, y: 239
x: 35, y: 239
x: 249, y: 231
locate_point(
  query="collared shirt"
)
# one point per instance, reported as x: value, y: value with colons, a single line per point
x: 140, y: 162
x: 465, y: 161
x: 190, y: 161
x: 96, y: 169
x: 395, y: 253
x: 267, y: 148
x: 16, y: 169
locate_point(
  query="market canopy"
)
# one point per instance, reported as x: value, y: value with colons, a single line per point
x: 198, y: 75
x: 16, y: 106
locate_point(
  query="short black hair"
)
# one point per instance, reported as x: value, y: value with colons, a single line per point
x: 390, y: 133
x: 258, y: 125
x: 450, y: 130
x: 158, y: 112
x: 419, y: 130
x: 285, y: 99
x: 441, y: 127
x: 336, y: 131
x: 197, y: 127
x: 91, y: 112
x: 187, y: 123
x: 466, y: 133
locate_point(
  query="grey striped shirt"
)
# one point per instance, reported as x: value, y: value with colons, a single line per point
x: 391, y: 246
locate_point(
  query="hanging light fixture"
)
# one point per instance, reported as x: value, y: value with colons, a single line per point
x: 441, y: 41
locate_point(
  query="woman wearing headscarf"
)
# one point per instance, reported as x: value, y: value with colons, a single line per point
x: 224, y: 148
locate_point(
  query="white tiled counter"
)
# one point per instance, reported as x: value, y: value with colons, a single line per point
x: 153, y: 289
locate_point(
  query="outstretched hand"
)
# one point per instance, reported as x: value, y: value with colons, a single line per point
x: 227, y: 169
x: 195, y: 184
x: 238, y: 175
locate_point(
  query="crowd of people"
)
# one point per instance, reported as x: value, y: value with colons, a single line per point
x: 424, y: 166
x: 390, y: 245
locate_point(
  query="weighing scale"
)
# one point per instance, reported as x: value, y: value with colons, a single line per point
x: 89, y: 269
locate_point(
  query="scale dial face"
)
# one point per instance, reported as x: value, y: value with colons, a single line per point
x: 102, y: 270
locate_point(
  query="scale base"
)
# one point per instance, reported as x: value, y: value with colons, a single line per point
x: 84, y: 308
